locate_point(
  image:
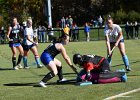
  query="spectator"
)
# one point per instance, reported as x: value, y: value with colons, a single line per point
x: 127, y: 29
x: 136, y: 27
x: 87, y: 30
x: 43, y: 34
x: 100, y: 20
x: 131, y: 27
x: 30, y: 44
x: 75, y: 33
x: 39, y: 33
x: 95, y: 23
x: 70, y: 21
x: 67, y: 21
x: 63, y: 22
x: 66, y: 30
x: 70, y: 26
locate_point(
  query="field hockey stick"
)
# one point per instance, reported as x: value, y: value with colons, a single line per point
x: 111, y: 52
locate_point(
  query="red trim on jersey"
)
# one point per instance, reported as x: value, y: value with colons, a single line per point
x: 90, y: 66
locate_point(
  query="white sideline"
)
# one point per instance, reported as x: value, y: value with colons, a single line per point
x: 122, y: 94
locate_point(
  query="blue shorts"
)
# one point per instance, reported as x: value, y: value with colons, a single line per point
x: 14, y: 44
x: 46, y: 58
x: 27, y: 47
x: 121, y: 41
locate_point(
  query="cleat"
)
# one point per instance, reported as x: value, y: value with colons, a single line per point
x: 61, y: 81
x: 42, y: 84
x: 39, y: 66
x: 16, y: 68
x: 128, y: 69
x: 26, y: 67
x: 20, y: 66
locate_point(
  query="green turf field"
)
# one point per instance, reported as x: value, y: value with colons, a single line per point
x: 23, y: 84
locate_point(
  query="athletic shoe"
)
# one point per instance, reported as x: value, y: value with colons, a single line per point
x: 61, y: 81
x: 16, y: 68
x: 128, y: 68
x: 39, y: 66
x: 20, y: 66
x: 26, y: 67
x: 42, y: 84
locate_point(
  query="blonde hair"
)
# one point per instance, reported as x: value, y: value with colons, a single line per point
x: 29, y: 20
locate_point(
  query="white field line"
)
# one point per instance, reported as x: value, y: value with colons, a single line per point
x: 122, y: 94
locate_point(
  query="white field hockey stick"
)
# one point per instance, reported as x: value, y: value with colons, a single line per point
x: 111, y: 52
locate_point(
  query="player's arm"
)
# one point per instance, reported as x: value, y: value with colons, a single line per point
x: 108, y: 44
x: 35, y: 38
x: 67, y: 58
x: 28, y: 37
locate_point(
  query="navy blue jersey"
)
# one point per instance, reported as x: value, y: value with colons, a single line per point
x: 15, y: 34
x: 52, y: 50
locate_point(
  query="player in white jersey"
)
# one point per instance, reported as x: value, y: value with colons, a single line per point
x: 114, y: 38
x: 30, y: 44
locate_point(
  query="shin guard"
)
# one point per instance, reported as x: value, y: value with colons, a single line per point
x: 48, y: 76
x: 14, y: 61
x: 19, y: 59
x: 60, y: 73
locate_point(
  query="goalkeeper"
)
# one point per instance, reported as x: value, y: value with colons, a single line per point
x: 96, y: 69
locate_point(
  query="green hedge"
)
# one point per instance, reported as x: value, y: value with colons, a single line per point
x: 122, y: 17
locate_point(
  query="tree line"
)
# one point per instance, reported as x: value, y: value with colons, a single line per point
x: 80, y: 10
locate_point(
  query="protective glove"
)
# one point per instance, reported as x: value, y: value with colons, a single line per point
x: 88, y: 75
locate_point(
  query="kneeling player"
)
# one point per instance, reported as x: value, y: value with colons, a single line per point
x: 96, y: 69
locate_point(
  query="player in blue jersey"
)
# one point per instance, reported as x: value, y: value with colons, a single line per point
x: 53, y: 64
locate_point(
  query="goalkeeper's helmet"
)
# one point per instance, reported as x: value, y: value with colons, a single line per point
x: 77, y: 59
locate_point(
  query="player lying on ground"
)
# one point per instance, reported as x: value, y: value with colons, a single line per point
x: 96, y: 69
